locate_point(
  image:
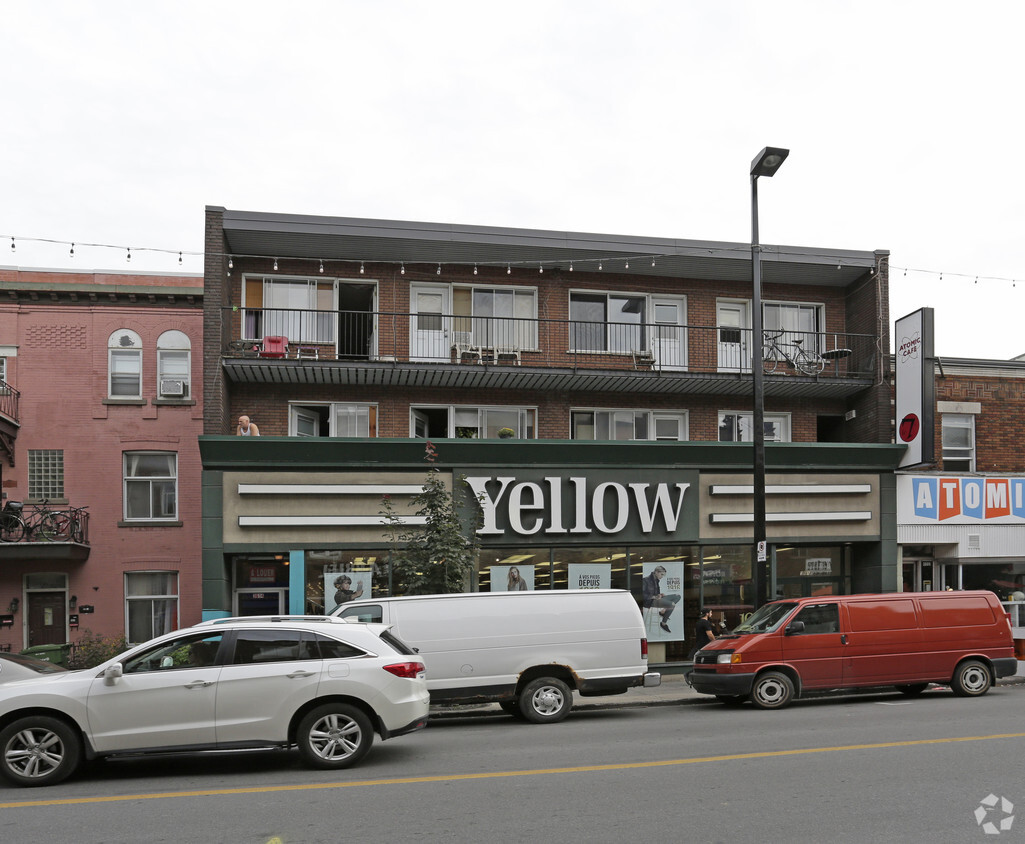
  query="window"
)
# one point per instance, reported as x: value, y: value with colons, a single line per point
x: 151, y: 486
x: 958, y: 442
x: 607, y: 322
x: 819, y: 618
x: 735, y: 427
x: 45, y: 474
x: 332, y: 420
x: 628, y: 425
x: 302, y: 310
x: 151, y: 604
x: 3, y: 369
x: 124, y: 365
x: 473, y: 422
x: 174, y: 366
x: 796, y: 321
x: 495, y: 317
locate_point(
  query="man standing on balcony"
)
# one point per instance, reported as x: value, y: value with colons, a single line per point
x: 247, y: 428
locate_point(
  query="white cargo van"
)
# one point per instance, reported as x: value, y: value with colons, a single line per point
x: 526, y: 650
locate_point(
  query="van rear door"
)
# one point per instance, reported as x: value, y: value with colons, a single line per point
x: 813, y: 644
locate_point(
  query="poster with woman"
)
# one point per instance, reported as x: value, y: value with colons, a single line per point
x: 512, y: 578
x: 662, y: 590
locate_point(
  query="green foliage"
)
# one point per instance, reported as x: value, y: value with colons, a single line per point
x: 435, y: 557
x: 91, y: 649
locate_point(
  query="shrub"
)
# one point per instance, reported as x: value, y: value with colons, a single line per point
x: 91, y: 649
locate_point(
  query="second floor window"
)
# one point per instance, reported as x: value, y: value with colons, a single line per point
x: 124, y: 362
x: 150, y: 486
x: 607, y: 322
x: 45, y: 474
x: 958, y: 442
x: 736, y: 427
x: 332, y: 420
x: 473, y: 422
x: 173, y: 365
x: 628, y: 425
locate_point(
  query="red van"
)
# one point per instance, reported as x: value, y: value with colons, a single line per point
x: 904, y: 639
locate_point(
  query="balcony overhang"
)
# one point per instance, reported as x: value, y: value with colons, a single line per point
x: 534, y: 379
x: 48, y: 552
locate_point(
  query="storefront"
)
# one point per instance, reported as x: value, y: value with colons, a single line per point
x: 297, y: 526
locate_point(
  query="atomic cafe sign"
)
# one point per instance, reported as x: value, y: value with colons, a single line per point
x: 964, y: 500
x: 579, y: 505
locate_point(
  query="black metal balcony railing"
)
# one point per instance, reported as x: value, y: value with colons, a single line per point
x: 9, y: 401
x: 43, y: 523
x: 448, y: 338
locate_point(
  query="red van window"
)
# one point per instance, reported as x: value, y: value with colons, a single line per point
x: 882, y: 615
x: 956, y: 611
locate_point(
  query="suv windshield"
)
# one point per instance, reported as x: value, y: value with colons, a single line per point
x: 766, y: 619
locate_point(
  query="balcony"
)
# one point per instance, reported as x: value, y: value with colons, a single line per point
x: 9, y: 423
x: 447, y: 350
x: 51, y: 534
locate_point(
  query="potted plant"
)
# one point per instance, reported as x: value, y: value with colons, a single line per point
x: 506, y: 433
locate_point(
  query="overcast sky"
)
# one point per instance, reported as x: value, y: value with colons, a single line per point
x: 121, y: 121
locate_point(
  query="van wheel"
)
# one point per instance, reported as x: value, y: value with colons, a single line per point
x: 971, y: 679
x: 39, y: 751
x: 772, y: 690
x: 334, y: 736
x: 913, y: 689
x: 545, y: 700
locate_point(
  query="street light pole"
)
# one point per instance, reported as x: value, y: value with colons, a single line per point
x: 766, y: 163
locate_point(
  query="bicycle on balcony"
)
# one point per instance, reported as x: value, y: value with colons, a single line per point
x: 775, y: 354
x: 46, y: 524
x: 12, y: 526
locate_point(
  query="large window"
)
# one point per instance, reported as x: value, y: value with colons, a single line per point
x: 736, y: 427
x: 628, y: 425
x: 607, y: 322
x: 338, y: 419
x: 473, y: 422
x: 174, y: 368
x: 45, y: 474
x: 150, y: 486
x: 958, y: 442
x: 124, y: 365
x: 798, y: 322
x: 151, y: 604
x: 495, y: 317
x: 301, y: 309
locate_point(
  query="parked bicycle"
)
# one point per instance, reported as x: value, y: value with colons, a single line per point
x: 12, y: 527
x: 70, y: 523
x: 775, y: 353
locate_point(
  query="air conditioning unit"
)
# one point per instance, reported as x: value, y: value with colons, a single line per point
x: 172, y: 387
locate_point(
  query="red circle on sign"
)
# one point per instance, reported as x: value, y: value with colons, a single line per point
x: 909, y: 426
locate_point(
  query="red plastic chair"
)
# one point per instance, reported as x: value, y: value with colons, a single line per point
x: 274, y: 347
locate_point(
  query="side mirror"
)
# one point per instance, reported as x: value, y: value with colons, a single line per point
x: 112, y: 673
x: 795, y: 627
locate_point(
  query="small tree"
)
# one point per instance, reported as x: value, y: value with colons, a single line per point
x: 437, y: 556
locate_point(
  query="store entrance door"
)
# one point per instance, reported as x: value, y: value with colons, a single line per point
x: 261, y: 601
x: 922, y: 576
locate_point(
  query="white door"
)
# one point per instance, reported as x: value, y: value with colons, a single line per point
x: 306, y: 424
x: 430, y: 318
x: 669, y: 336
x: 420, y: 425
x: 733, y: 336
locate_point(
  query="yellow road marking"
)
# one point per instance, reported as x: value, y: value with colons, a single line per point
x: 578, y: 769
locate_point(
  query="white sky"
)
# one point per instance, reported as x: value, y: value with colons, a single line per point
x: 120, y: 121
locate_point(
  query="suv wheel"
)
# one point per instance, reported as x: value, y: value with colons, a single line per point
x: 39, y: 751
x: 334, y: 736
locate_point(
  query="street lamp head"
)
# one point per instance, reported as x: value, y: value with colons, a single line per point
x: 768, y: 161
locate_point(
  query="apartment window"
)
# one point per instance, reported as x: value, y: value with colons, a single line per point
x: 174, y: 368
x: 958, y: 442
x: 45, y: 474
x: 150, y: 486
x: 473, y: 422
x: 3, y: 369
x: 302, y: 310
x: 338, y: 419
x: 735, y: 427
x: 628, y: 425
x: 796, y: 321
x: 609, y: 322
x: 151, y: 604
x: 495, y: 317
x: 124, y: 365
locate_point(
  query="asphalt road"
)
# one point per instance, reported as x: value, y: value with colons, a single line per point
x: 863, y: 769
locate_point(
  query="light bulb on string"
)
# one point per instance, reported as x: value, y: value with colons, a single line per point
x: 508, y: 269
x: 71, y: 254
x: 322, y: 266
x: 571, y: 266
x: 275, y: 264
x: 652, y: 260
x: 231, y: 263
x: 627, y: 264
x: 540, y: 269
x: 361, y: 270
x: 129, y: 256
x: 12, y: 245
x: 599, y: 266
x: 475, y: 269
x: 179, y: 255
x: 439, y: 269
x: 402, y: 268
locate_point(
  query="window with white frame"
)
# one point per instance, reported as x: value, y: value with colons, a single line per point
x: 174, y: 367
x: 736, y: 427
x: 958, y: 442
x: 150, y: 486
x: 607, y: 322
x: 124, y: 365
x: 798, y: 322
x: 151, y: 604
x: 332, y: 419
x: 45, y: 474
x: 473, y: 422
x: 301, y: 309
x: 495, y: 317
x: 628, y: 425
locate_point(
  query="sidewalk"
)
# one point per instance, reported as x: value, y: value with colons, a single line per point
x: 674, y: 690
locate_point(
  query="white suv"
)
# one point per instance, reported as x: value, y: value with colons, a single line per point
x: 320, y: 684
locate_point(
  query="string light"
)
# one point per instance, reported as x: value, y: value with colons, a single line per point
x: 322, y: 266
x: 71, y: 254
x: 508, y: 269
x: 361, y: 270
x: 540, y: 269
x: 439, y: 269
x: 652, y: 260
x: 627, y: 264
x: 402, y: 268
x: 599, y: 266
x: 571, y: 266
x: 12, y: 245
x: 179, y: 256
x: 231, y: 263
x: 275, y: 264
x: 475, y: 269
x: 129, y: 258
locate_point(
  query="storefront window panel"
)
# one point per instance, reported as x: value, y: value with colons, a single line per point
x: 513, y: 570
x: 726, y: 583
x: 809, y: 572
x: 589, y: 568
x: 1004, y: 579
x: 338, y: 576
x: 679, y: 584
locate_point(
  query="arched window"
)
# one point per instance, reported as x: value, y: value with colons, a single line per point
x: 174, y: 366
x: 124, y: 365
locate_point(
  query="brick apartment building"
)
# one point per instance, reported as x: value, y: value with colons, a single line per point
x: 594, y: 390
x: 101, y: 405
